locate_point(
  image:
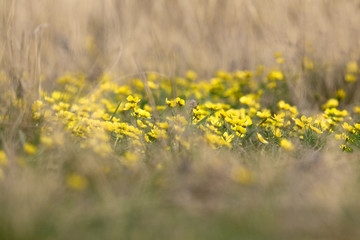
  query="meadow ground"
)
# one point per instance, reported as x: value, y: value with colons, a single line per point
x: 179, y: 119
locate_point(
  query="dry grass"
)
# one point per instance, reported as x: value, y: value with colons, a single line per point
x: 170, y: 37
x: 174, y: 36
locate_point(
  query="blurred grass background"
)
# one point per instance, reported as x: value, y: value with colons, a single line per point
x: 296, y: 197
x: 47, y: 38
x: 172, y: 36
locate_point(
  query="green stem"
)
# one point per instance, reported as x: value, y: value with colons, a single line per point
x: 112, y: 116
x: 262, y: 121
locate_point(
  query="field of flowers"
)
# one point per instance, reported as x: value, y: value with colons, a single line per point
x: 179, y: 119
x: 234, y: 111
x: 139, y: 129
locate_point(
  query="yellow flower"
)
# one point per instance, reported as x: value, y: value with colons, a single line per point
x: 305, y: 119
x: 308, y: 63
x: 47, y: 141
x: 350, y: 77
x: 279, y: 117
x: 348, y: 127
x: 286, y: 144
x: 76, y: 181
x: 141, y: 113
x: 278, y: 133
x: 159, y: 166
x: 283, y: 105
x: 147, y: 139
x: 148, y: 108
x: 170, y: 103
x: 130, y: 159
x: 29, y: 148
x: 331, y: 103
x: 180, y: 102
x: 160, y: 108
x: 158, y: 133
x: 340, y: 94
x: 239, y: 129
x: 357, y: 110
x: 228, y: 138
x: 261, y: 139
x: 37, y: 106
x: 199, y: 113
x: 248, y: 100
x: 241, y: 175
x: 316, y: 129
x: 278, y: 54
x: 294, y: 111
x: 132, y: 99
x: 338, y: 136
x: 163, y: 125
x: 125, y: 90
x: 138, y: 84
x: 56, y: 95
x: 212, y: 106
x: 141, y: 124
x: 3, y: 158
x: 130, y: 105
x: 299, y: 123
x: 345, y: 148
x: 216, y: 141
x: 352, y: 67
x: 280, y: 60
x: 90, y: 44
x: 191, y: 75
x: 271, y: 85
x: 264, y: 114
x: 275, y: 75
x: 152, y: 85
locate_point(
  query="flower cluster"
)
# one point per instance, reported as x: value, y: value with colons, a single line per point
x: 232, y: 110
